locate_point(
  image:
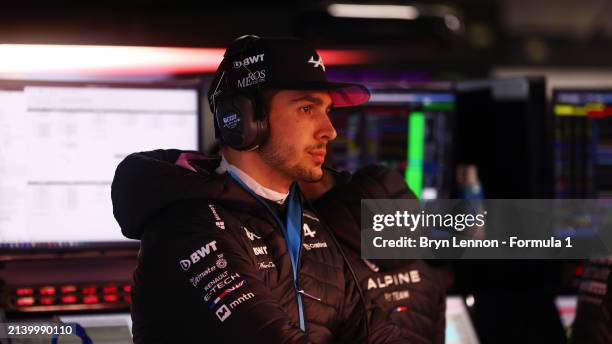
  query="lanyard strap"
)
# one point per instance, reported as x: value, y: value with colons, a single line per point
x: 291, y: 229
x: 78, y: 331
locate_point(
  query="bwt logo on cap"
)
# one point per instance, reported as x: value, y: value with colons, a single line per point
x: 249, y: 61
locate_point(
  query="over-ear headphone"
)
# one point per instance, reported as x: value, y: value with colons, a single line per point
x: 240, y: 117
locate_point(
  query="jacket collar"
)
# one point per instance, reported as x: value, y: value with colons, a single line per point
x: 251, y: 183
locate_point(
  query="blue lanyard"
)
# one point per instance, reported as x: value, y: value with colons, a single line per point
x: 78, y: 331
x: 292, y: 231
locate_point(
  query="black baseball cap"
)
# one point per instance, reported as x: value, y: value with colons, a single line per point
x: 252, y: 63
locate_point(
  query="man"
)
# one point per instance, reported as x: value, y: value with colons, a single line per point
x: 410, y: 291
x: 236, y: 255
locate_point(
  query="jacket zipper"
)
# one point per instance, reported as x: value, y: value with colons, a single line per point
x: 298, y: 263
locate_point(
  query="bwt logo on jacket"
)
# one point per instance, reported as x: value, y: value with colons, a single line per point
x: 249, y: 61
x: 260, y: 250
x: 199, y: 254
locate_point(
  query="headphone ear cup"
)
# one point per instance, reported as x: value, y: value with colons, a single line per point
x: 238, y: 123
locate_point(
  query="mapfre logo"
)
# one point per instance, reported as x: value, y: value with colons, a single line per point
x: 199, y: 254
x: 249, y: 61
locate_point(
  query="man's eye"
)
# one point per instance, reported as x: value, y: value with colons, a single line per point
x: 306, y: 108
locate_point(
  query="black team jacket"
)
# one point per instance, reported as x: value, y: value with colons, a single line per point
x: 409, y: 291
x: 214, y: 267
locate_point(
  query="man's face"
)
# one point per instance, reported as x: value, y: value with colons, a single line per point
x: 299, y: 132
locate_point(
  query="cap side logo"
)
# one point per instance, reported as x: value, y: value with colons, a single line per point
x: 318, y: 63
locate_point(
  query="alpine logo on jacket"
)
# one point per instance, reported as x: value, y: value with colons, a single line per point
x: 198, y: 255
x: 412, y: 276
x: 250, y: 234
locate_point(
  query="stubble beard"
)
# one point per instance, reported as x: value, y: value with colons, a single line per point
x: 279, y: 156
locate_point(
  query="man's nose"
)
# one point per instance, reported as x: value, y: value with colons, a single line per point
x: 327, y: 131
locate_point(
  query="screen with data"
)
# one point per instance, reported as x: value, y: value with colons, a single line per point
x: 60, y: 145
x: 409, y: 131
x: 583, y: 143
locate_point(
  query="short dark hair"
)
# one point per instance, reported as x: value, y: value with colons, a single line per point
x: 266, y: 96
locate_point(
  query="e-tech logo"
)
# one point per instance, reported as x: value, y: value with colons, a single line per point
x: 199, y: 254
x: 226, y: 292
x: 218, y: 284
x: 249, y: 61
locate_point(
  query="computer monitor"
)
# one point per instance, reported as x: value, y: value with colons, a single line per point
x: 60, y: 143
x: 408, y: 130
x: 583, y: 143
x: 111, y: 328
